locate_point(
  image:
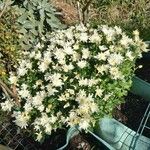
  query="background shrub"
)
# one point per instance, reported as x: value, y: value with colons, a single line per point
x: 9, y: 40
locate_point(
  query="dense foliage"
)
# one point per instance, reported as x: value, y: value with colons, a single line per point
x: 73, y: 77
x: 37, y: 17
x: 22, y: 24
x: 9, y: 40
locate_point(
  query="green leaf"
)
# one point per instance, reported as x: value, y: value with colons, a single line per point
x: 23, y: 31
x: 42, y: 14
x: 22, y: 18
x: 40, y: 27
x: 28, y: 25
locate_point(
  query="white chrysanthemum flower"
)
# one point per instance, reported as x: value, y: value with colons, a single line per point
x: 22, y: 71
x: 68, y: 50
x: 44, y: 119
x: 39, y: 45
x: 104, y: 29
x: 39, y: 136
x: 13, y: 79
x: 76, y: 46
x: 107, y: 96
x: 53, y: 119
x: 56, y: 80
x: 85, y: 53
x: 102, y: 68
x: 41, y: 108
x: 21, y: 119
x: 115, y: 59
x: 36, y: 127
x: 62, y: 97
x: 83, y: 37
x: 69, y: 34
x: 76, y: 56
x: 83, y: 82
x: 103, y: 48
x: 92, y: 82
x: 24, y: 86
x: 39, y: 82
x: 49, y: 108
x: 24, y: 93
x: 32, y: 54
x: 143, y: 46
x: 38, y: 55
x: 84, y: 124
x: 90, y: 98
x: 129, y: 54
x: 59, y: 54
x: 66, y: 105
x: 125, y: 41
x: 99, y: 92
x: 82, y: 93
x: 48, y: 129
x: 29, y: 65
x: 71, y: 91
x: 109, y: 32
x: 136, y: 33
x: 67, y: 68
x: 51, y: 90
x: 93, y: 106
x: 22, y: 63
x: 67, y: 95
x: 82, y: 63
x: 43, y: 66
x: 47, y: 54
x: 101, y: 56
x: 115, y: 73
x: 27, y: 107
x: 71, y: 121
x: 118, y: 30
x: 95, y: 38
x: 83, y: 108
x: 38, y: 99
x: 7, y: 105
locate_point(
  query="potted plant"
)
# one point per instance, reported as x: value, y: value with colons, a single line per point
x: 72, y: 77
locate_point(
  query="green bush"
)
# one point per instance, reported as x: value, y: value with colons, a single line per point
x: 37, y: 18
x: 9, y: 41
x: 129, y: 14
x: 73, y: 77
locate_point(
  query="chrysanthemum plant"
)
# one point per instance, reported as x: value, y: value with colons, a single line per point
x: 73, y: 77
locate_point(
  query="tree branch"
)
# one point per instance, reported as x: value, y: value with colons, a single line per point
x: 9, y: 93
x: 7, y: 89
x: 4, y: 8
x: 86, y: 6
x: 79, y: 12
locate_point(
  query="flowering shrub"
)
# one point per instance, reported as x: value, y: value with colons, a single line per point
x: 73, y: 77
